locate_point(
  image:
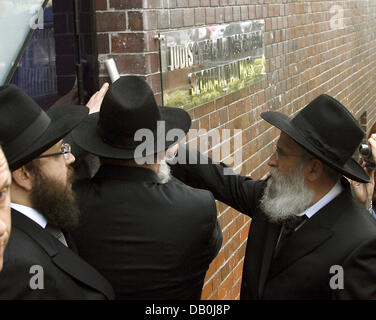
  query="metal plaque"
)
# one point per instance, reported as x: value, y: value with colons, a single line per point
x: 202, y: 64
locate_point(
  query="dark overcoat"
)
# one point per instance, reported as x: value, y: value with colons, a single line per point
x: 150, y: 240
x: 38, y: 266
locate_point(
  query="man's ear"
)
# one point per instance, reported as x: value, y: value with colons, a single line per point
x: 314, y: 170
x: 22, y: 178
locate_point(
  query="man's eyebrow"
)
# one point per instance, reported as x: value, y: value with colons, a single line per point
x: 6, y: 182
x: 279, y: 148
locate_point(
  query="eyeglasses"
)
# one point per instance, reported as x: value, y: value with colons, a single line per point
x: 280, y: 153
x: 65, y: 151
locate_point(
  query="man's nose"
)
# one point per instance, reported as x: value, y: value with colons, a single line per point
x: 70, y: 159
x: 273, y: 161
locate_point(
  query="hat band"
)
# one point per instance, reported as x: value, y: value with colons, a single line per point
x: 325, y: 150
x: 125, y: 143
x: 13, y: 148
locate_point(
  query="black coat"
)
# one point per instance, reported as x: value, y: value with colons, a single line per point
x: 340, y: 234
x: 150, y: 240
x: 65, y: 275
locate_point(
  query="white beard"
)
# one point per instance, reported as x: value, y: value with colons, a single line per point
x: 164, y: 172
x: 285, y: 196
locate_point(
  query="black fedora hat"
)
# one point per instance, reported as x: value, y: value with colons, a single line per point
x: 26, y: 131
x: 326, y: 129
x: 128, y: 109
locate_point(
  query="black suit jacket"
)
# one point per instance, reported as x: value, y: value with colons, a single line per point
x: 151, y: 240
x: 341, y: 234
x: 65, y: 275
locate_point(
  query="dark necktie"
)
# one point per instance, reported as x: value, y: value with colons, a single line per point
x: 57, y: 233
x: 288, y: 229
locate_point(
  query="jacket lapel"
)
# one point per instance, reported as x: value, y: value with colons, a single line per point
x: 271, y: 238
x: 63, y: 257
x: 312, y: 234
x: 302, y: 242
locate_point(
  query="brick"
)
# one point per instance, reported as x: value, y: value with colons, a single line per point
x: 199, y: 16
x: 194, y: 3
x: 136, y: 22
x: 163, y: 19
x: 219, y: 15
x: 150, y: 20
x: 205, y: 3
x: 130, y: 64
x: 210, y: 15
x: 252, y: 12
x: 127, y: 42
x: 126, y: 4
x: 244, y: 12
x: 236, y: 13
x: 154, y: 81
x: 101, y: 4
x: 214, y: 120
x: 103, y: 43
x: 177, y: 18
x: 189, y: 17
x: 182, y: 3
x: 228, y: 14
x: 110, y: 21
x: 152, y: 63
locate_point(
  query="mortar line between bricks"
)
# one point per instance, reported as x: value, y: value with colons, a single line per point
x: 234, y: 284
x: 235, y: 251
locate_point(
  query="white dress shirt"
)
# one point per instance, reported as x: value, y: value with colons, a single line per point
x: 30, y: 213
x: 316, y: 207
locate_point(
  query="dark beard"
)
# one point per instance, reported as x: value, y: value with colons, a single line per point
x: 55, y: 201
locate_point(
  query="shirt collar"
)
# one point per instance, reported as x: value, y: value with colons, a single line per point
x: 30, y: 213
x: 334, y: 192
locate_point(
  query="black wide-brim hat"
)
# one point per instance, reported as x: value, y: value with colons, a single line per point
x: 128, y: 117
x: 26, y: 131
x: 327, y: 130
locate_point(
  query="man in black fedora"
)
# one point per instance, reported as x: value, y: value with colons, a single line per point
x: 39, y: 260
x: 152, y: 237
x: 309, y: 238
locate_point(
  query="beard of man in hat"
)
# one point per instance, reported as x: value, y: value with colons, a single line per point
x: 309, y: 237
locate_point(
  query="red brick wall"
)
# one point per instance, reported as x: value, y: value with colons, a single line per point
x: 306, y: 55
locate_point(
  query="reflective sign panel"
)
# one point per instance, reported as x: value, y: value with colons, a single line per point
x: 17, y: 17
x: 203, y: 64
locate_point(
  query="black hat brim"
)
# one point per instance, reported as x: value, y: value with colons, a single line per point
x: 350, y: 169
x: 63, y: 120
x: 86, y: 135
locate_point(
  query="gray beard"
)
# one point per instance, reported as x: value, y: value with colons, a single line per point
x: 285, y: 196
x: 164, y: 172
